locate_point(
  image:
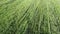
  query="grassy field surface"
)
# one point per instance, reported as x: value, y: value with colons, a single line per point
x: 29, y: 16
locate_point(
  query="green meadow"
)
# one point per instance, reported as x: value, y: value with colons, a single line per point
x: 29, y: 16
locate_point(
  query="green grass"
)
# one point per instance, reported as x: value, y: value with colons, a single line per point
x: 29, y: 16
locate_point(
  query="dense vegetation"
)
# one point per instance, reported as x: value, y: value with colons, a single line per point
x: 29, y: 16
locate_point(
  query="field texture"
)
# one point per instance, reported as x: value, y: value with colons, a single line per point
x: 29, y: 16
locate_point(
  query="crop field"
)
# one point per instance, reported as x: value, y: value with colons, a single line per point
x: 29, y: 16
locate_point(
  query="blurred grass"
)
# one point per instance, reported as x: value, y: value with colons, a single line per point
x: 29, y: 16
